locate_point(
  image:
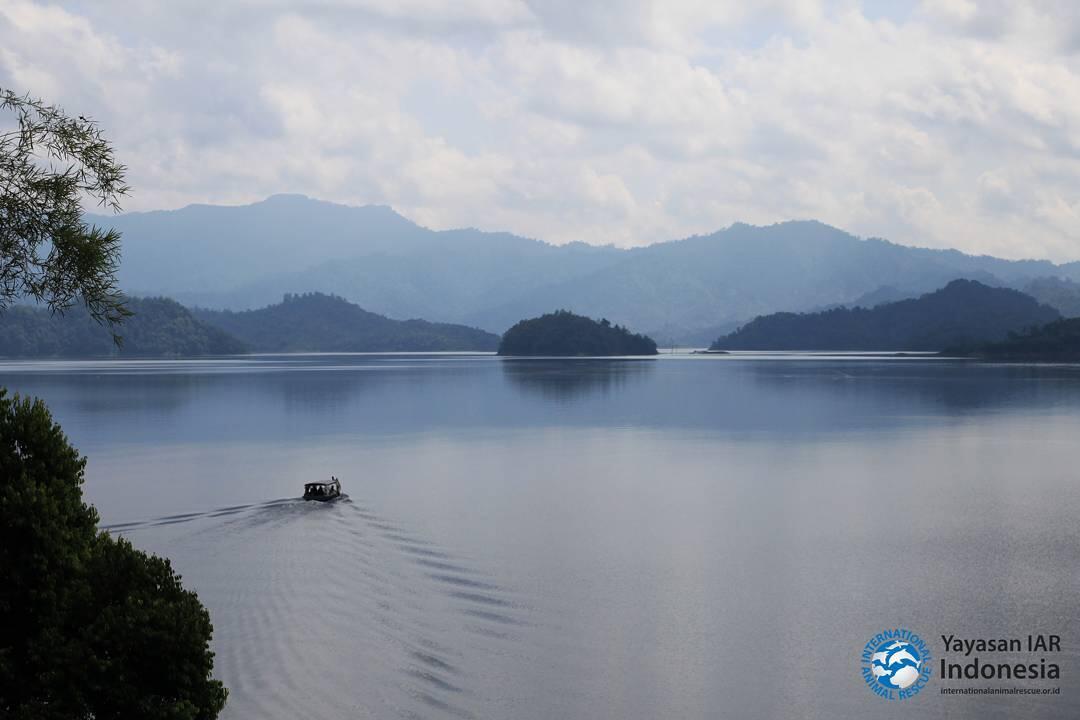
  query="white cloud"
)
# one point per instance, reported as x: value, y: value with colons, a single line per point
x: 945, y: 124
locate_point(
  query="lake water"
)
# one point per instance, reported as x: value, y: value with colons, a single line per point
x: 682, y: 537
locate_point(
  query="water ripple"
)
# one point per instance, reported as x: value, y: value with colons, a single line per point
x: 312, y: 601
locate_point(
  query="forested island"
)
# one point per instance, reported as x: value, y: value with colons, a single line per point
x: 158, y: 327
x: 964, y: 313
x: 1058, y: 341
x: 564, y: 334
x: 316, y: 322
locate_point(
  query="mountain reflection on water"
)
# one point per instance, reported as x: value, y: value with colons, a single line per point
x: 570, y: 379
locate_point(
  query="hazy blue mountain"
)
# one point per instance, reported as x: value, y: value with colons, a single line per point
x: 247, y: 256
x: 211, y: 249
x: 316, y: 322
x: 746, y: 271
x: 1060, y: 293
x: 963, y: 313
x: 159, y: 327
x: 564, y: 334
x: 693, y: 337
x: 882, y: 295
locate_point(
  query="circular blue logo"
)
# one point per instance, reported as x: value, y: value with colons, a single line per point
x: 896, y: 664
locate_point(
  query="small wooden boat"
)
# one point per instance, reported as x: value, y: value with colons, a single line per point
x: 323, y: 491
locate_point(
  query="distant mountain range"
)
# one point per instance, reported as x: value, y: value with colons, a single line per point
x: 248, y: 256
x: 964, y: 313
x: 325, y: 323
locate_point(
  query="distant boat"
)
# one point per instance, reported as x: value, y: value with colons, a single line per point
x: 323, y: 491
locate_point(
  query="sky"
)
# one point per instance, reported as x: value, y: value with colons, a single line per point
x: 939, y: 124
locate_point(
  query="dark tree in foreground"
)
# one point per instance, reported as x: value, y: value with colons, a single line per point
x: 564, y: 334
x: 92, y: 627
x: 48, y: 163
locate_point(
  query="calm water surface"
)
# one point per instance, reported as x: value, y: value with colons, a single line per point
x: 681, y: 537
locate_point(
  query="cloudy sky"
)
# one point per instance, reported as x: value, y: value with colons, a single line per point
x: 944, y: 124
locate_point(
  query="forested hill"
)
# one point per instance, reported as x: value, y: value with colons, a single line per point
x: 314, y: 322
x: 1058, y: 341
x: 964, y: 313
x: 159, y: 328
x: 563, y: 333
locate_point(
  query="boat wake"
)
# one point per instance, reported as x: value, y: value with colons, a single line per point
x: 331, y: 610
x: 121, y: 528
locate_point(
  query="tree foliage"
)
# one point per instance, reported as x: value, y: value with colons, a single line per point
x: 49, y: 161
x: 562, y: 333
x: 92, y: 628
